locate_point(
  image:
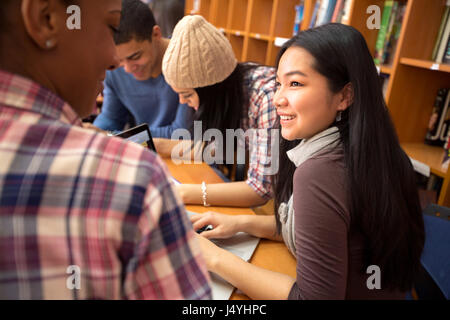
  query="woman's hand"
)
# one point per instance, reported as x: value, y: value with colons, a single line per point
x: 224, y: 225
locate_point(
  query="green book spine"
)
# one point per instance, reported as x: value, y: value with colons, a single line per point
x: 379, y: 46
x: 389, y: 31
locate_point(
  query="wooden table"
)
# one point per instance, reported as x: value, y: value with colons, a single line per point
x: 271, y: 255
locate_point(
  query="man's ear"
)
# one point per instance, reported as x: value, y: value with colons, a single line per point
x: 347, y: 97
x: 156, y: 33
x: 43, y: 21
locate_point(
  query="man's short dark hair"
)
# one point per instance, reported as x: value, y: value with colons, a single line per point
x: 137, y: 22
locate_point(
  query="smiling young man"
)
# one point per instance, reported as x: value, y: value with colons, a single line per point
x: 138, y: 87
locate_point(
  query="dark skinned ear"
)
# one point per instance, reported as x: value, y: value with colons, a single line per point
x: 43, y: 21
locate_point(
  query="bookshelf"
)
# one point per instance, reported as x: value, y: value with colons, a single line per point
x: 251, y: 25
x: 255, y: 27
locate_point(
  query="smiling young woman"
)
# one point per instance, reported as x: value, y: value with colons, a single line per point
x: 345, y: 195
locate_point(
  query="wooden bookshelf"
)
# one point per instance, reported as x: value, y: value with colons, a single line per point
x: 413, y: 79
x: 251, y: 25
x: 429, y: 155
x: 386, y: 69
x: 425, y: 64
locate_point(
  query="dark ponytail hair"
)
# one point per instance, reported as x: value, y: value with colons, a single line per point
x: 384, y: 203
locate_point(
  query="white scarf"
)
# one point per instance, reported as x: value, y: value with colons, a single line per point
x: 306, y: 149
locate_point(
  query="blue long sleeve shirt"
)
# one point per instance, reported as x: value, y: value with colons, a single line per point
x: 151, y: 101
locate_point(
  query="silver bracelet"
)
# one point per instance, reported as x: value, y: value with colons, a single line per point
x: 205, y: 204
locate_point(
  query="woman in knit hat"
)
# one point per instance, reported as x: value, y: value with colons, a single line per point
x: 201, y: 67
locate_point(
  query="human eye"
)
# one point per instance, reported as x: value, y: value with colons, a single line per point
x: 114, y: 30
x: 136, y: 57
x: 296, y: 84
x: 277, y: 84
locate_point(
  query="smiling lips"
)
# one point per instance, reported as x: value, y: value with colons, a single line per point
x: 284, y: 118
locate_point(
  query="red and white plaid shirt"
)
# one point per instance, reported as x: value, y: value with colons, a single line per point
x: 262, y: 115
x: 73, y: 200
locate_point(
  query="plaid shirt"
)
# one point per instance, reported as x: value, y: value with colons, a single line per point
x: 263, y: 144
x: 77, y: 203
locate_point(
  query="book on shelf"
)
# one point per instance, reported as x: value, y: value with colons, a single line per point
x: 446, y: 159
x: 314, y: 15
x: 393, y: 32
x: 299, y: 11
x: 325, y: 13
x: 345, y: 14
x: 443, y: 44
x: 385, y: 19
x: 439, y: 120
x: 329, y: 11
x: 389, y: 34
x: 337, y: 9
x: 444, y: 20
x: 446, y: 58
x: 321, y: 13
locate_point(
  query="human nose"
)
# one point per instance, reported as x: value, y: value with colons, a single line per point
x: 129, y: 68
x: 115, y: 62
x: 182, y: 100
x: 279, y: 99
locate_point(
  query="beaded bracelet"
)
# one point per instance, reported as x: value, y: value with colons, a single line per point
x: 205, y: 204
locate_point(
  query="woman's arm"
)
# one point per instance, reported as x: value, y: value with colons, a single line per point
x: 231, y: 194
x: 255, y: 282
x: 225, y: 226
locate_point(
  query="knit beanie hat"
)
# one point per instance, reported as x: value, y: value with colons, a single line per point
x: 198, y: 55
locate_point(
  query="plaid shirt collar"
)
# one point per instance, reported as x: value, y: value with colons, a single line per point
x: 21, y: 93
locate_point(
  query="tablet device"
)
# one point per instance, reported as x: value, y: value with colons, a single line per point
x: 140, y: 134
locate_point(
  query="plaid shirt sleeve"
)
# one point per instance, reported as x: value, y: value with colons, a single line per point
x: 263, y: 140
x: 166, y: 262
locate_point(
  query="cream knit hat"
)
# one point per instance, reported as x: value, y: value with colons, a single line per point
x: 198, y: 55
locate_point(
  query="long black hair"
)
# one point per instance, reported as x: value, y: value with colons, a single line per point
x: 384, y: 202
x: 222, y: 105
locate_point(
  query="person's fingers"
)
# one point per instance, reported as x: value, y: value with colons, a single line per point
x: 200, y: 224
x: 195, y: 217
x: 212, y: 234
